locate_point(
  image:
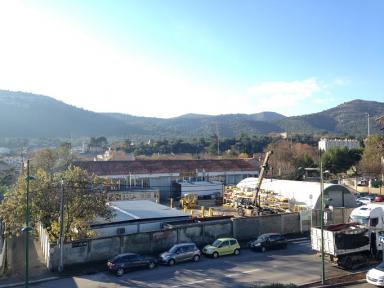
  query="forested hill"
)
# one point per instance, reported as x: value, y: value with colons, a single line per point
x: 30, y: 115
x: 348, y: 118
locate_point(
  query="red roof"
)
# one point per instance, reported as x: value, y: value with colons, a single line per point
x: 104, y: 168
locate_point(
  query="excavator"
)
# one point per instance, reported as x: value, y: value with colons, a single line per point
x: 253, y: 203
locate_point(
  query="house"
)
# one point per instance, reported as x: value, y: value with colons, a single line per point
x: 161, y: 174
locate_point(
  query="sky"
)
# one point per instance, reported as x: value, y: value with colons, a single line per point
x: 166, y: 58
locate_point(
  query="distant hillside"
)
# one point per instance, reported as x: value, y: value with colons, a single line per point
x: 192, y: 125
x: 348, y: 118
x: 30, y: 115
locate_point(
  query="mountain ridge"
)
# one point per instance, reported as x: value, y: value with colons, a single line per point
x: 30, y: 115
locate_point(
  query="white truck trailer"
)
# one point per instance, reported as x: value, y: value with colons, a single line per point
x: 346, y: 244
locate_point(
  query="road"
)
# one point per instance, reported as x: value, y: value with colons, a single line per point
x: 297, y: 264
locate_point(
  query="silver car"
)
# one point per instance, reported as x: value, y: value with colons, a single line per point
x: 179, y: 253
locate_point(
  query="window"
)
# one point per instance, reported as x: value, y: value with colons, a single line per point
x: 233, y: 242
x: 374, y: 222
x: 224, y: 244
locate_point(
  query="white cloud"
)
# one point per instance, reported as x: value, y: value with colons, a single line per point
x: 273, y: 96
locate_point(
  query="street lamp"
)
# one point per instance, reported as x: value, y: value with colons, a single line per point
x: 322, y: 221
x: 26, y: 229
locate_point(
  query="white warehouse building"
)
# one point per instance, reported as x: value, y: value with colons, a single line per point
x: 325, y: 144
x: 304, y: 193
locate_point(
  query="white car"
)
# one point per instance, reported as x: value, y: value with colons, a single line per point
x: 364, y: 200
x: 375, y: 276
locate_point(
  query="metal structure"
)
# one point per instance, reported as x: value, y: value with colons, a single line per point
x: 254, y: 202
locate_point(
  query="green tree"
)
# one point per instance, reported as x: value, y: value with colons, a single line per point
x: 338, y: 160
x: 85, y: 198
x: 370, y: 163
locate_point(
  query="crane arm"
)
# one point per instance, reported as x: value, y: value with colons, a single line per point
x: 263, y: 169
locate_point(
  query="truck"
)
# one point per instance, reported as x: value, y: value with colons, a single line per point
x: 356, y: 242
x: 370, y: 215
x: 348, y: 245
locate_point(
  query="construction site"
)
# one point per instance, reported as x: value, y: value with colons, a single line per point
x: 265, y: 196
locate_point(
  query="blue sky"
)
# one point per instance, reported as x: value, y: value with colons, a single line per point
x: 168, y: 58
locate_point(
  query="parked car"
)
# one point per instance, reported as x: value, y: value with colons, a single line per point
x: 222, y: 246
x: 124, y: 262
x: 375, y: 275
x: 362, y: 182
x: 179, y: 253
x: 364, y: 200
x: 268, y: 241
x: 379, y: 198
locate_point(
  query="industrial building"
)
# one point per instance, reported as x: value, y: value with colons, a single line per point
x: 161, y: 174
x: 326, y: 144
x: 203, y: 189
x: 304, y: 194
x: 135, y: 216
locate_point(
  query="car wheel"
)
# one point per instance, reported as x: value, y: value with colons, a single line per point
x: 196, y: 258
x: 215, y: 255
x: 151, y: 265
x: 236, y: 252
x: 263, y: 249
x: 171, y: 262
x: 348, y: 263
x: 120, y: 272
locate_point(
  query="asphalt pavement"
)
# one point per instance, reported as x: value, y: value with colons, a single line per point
x: 15, y: 270
x: 297, y: 264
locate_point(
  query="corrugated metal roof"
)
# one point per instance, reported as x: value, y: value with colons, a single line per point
x: 104, y: 168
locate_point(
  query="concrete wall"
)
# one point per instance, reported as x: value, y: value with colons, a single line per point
x: 251, y: 227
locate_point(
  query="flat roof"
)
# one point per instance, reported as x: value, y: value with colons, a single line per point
x: 142, y: 209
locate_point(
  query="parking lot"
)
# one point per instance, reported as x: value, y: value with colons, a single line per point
x: 296, y: 264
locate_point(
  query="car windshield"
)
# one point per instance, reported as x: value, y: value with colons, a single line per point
x: 261, y: 238
x: 173, y: 249
x: 380, y: 266
x: 216, y: 243
x: 360, y: 219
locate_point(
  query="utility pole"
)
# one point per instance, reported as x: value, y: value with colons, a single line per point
x: 218, y: 140
x: 27, y: 228
x: 322, y: 221
x: 368, y: 124
x: 61, y: 220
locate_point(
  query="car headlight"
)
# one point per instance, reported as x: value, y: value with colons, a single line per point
x: 257, y: 244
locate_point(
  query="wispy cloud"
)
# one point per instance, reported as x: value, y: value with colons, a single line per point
x: 295, y: 90
x: 280, y: 95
